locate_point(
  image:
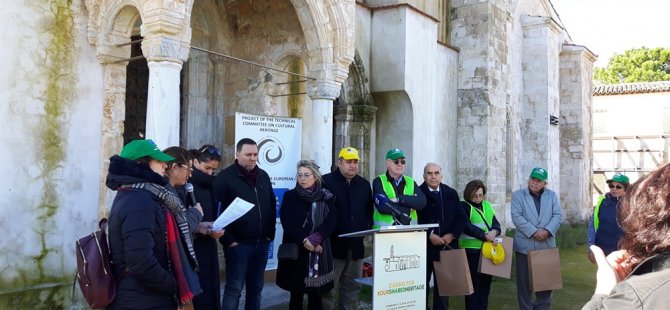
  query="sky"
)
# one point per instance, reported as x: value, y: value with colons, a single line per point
x: 608, y: 27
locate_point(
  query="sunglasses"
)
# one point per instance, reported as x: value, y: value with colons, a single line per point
x: 399, y: 161
x: 615, y: 186
x: 211, y: 150
x: 187, y: 167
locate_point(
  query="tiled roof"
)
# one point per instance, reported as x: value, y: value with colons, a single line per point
x: 631, y: 88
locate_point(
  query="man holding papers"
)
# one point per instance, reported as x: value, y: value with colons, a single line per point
x: 247, y: 239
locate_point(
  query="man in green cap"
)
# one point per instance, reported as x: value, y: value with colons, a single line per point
x: 397, y: 196
x: 536, y: 213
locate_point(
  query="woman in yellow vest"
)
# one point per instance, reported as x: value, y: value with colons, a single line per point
x: 481, y: 226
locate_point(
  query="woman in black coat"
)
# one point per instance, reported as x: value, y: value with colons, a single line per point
x: 308, y: 217
x: 206, y: 160
x: 138, y: 228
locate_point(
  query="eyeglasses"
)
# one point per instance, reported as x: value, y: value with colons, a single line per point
x: 615, y: 186
x: 187, y: 167
x: 399, y: 161
x: 211, y: 150
x: 304, y: 175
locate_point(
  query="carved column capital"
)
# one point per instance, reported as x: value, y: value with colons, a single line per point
x: 324, y: 90
x: 162, y: 48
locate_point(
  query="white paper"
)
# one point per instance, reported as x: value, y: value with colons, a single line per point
x: 235, y: 210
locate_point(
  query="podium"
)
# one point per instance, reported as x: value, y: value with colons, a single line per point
x: 399, y: 266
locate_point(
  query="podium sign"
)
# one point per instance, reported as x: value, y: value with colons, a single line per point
x: 399, y: 270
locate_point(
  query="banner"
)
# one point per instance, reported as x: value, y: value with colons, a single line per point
x: 279, y: 146
x: 399, y: 271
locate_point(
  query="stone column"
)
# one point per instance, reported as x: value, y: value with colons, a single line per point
x: 164, y: 57
x: 576, y: 83
x: 354, y: 122
x: 319, y: 144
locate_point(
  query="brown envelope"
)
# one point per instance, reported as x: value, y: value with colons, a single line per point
x: 453, y: 274
x: 503, y: 270
x: 544, y: 268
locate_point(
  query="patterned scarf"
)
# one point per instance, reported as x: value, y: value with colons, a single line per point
x: 178, y: 210
x: 321, y: 269
x: 184, y: 293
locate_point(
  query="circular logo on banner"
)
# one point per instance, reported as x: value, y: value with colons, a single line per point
x: 270, y: 151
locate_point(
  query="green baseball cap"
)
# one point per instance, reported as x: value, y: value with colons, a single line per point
x: 620, y: 178
x: 394, y: 154
x: 140, y: 148
x: 540, y: 174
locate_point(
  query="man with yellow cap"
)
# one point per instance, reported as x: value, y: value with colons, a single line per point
x: 536, y: 213
x: 354, y: 213
x: 397, y: 196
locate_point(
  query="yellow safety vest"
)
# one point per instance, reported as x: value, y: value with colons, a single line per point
x: 387, y: 219
x: 476, y: 218
x: 596, y: 212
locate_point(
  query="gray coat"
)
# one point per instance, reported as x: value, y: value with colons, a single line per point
x: 648, y: 287
x: 527, y: 221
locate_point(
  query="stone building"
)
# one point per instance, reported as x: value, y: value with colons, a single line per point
x: 488, y: 89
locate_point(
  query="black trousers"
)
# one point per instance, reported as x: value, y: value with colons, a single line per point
x: 481, y: 283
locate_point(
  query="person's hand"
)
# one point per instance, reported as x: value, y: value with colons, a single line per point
x: 491, y: 235
x: 606, y: 278
x: 448, y: 238
x: 622, y: 263
x: 308, y: 245
x: 591, y: 258
x: 216, y: 234
x: 541, y: 234
x: 204, y: 228
x: 435, y: 239
x: 199, y: 208
x: 234, y: 244
x: 318, y: 249
x: 381, y: 199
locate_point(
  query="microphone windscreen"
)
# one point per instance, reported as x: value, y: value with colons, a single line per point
x: 188, y: 187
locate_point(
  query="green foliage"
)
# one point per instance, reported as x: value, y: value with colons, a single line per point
x: 636, y: 65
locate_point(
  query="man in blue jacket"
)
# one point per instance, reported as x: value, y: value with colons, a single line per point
x: 247, y: 240
x: 536, y: 213
x: 354, y: 213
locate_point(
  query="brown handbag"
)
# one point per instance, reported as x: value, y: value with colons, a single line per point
x: 94, y: 274
x: 452, y: 273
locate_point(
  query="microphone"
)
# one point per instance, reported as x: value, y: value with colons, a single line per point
x: 404, y: 218
x: 189, y: 192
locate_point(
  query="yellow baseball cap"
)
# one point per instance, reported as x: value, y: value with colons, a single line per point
x: 349, y: 153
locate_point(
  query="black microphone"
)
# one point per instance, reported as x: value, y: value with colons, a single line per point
x: 189, y: 192
x: 404, y: 218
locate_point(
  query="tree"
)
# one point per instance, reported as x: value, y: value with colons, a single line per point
x: 636, y: 65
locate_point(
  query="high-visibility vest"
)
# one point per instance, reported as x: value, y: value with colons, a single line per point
x: 477, y: 218
x: 596, y: 212
x: 380, y: 219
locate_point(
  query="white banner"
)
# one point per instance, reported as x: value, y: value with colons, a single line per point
x: 399, y: 271
x: 279, y: 147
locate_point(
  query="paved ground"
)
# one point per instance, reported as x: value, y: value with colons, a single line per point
x: 273, y: 297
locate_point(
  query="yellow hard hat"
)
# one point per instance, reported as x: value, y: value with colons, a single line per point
x: 495, y: 253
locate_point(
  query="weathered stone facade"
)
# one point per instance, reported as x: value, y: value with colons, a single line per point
x: 373, y: 74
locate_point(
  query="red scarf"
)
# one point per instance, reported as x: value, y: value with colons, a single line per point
x: 185, y: 294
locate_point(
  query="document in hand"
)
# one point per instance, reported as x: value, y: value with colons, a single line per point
x: 235, y: 210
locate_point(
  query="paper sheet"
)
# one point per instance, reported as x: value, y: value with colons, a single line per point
x: 235, y: 210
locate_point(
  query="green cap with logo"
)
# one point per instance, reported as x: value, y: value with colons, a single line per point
x: 620, y: 178
x: 540, y: 174
x: 394, y: 154
x: 137, y: 149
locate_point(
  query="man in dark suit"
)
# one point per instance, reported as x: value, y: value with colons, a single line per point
x: 443, y: 208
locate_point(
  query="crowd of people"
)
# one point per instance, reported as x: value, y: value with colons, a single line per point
x: 165, y: 255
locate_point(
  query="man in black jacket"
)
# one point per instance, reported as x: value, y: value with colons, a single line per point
x: 443, y: 208
x: 247, y: 240
x: 353, y: 200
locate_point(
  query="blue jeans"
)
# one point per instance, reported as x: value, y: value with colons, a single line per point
x: 245, y: 264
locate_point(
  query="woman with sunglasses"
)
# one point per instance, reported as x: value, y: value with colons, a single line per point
x: 205, y: 161
x: 603, y: 229
x: 308, y: 217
